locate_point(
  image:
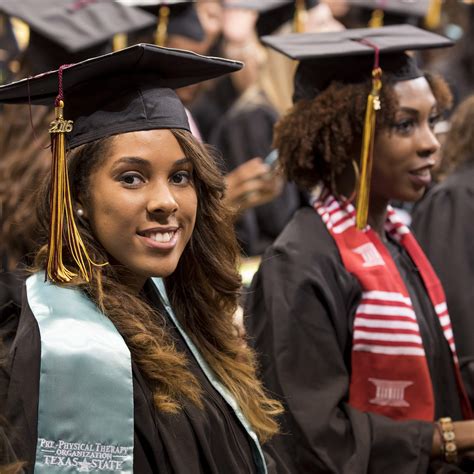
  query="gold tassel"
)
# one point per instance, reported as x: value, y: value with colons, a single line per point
x: 62, y: 215
x: 162, y: 26
x: 366, y: 157
x: 301, y: 17
x: 433, y: 17
x: 376, y: 20
x: 119, y: 41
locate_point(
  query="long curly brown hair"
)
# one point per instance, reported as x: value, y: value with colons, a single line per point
x: 203, y: 291
x: 317, y: 138
x: 459, y: 145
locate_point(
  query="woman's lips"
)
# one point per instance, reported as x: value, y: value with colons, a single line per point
x: 160, y: 240
x: 421, y: 177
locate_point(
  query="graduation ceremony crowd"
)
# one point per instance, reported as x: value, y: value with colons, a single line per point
x: 237, y: 236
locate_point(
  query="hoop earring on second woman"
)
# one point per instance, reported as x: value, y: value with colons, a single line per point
x: 334, y: 190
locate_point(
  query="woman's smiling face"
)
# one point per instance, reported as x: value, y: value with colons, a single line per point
x: 142, y: 204
x: 404, y: 154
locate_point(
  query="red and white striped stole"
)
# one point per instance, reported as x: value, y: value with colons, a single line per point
x: 390, y: 374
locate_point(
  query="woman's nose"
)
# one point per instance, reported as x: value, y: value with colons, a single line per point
x: 162, y: 201
x: 428, y: 144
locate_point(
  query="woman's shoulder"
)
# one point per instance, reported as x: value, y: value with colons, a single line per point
x: 306, y: 235
x: 306, y: 254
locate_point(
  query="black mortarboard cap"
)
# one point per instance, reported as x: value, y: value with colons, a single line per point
x: 183, y: 19
x: 272, y: 13
x: 129, y: 90
x: 67, y: 31
x: 343, y: 56
x: 407, y: 8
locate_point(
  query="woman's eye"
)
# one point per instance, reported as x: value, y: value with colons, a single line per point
x: 182, y: 177
x: 404, y: 126
x: 434, y: 120
x: 131, y: 179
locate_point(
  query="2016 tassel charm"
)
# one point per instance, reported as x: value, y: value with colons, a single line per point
x: 63, y: 231
x: 366, y: 158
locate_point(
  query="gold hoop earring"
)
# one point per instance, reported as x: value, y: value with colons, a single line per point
x: 355, y: 167
x: 334, y: 190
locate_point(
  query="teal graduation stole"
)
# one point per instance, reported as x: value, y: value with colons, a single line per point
x: 211, y: 376
x: 85, y: 409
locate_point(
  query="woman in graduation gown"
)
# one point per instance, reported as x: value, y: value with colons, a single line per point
x: 348, y: 317
x: 126, y: 358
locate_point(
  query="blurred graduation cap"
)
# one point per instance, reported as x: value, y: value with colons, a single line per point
x: 401, y: 11
x: 8, y: 47
x: 354, y: 56
x: 173, y: 17
x: 275, y: 13
x: 67, y: 31
x: 129, y: 90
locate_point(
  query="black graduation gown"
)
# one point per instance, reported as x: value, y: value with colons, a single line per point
x: 193, y: 441
x: 11, y: 284
x: 443, y: 223
x: 246, y: 132
x: 299, y: 316
x: 209, y: 108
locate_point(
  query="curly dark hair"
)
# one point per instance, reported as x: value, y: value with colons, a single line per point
x: 316, y: 139
x: 204, y: 292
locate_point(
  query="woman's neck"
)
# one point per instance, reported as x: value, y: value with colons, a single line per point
x: 377, y: 217
x: 345, y: 183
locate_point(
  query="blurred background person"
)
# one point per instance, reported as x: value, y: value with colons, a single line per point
x: 458, y: 66
x: 8, y: 49
x: 244, y: 134
x: 443, y: 223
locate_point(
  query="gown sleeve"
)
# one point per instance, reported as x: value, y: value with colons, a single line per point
x: 443, y: 224
x: 299, y: 315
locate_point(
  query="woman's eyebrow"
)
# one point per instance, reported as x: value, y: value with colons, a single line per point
x: 409, y: 110
x: 132, y: 160
x: 182, y: 161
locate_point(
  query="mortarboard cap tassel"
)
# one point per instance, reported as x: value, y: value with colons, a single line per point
x: 433, y: 16
x: 162, y: 25
x: 376, y: 19
x: 367, y: 150
x: 63, y: 229
x: 301, y: 17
